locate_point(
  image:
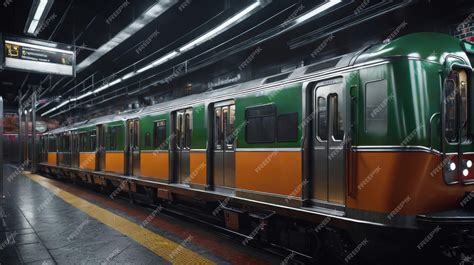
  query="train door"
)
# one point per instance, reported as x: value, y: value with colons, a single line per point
x: 75, y: 149
x: 100, y: 152
x: 183, y: 133
x: 133, y: 147
x: 328, y: 182
x: 224, y: 145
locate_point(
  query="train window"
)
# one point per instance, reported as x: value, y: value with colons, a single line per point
x: 52, y: 144
x: 82, y: 142
x: 179, y: 131
x: 92, y: 142
x: 159, y: 134
x: 323, y: 127
x: 147, y: 139
x: 260, y: 124
x: 456, y: 86
x: 66, y: 142
x: 230, y: 134
x: 287, y: 129
x: 136, y: 135
x: 113, y: 138
x: 189, y: 128
x: 376, y: 107
x: 218, y: 128
x: 338, y: 120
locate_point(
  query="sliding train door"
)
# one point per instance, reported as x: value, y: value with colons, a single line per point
x: 100, y: 152
x: 328, y: 152
x: 133, y: 147
x: 75, y: 149
x: 224, y: 145
x: 183, y: 121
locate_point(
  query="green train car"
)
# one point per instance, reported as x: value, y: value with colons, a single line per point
x: 373, y: 144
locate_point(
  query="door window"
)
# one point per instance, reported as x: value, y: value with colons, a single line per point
x: 337, y: 117
x: 323, y: 127
x: 456, y: 106
x: 218, y: 130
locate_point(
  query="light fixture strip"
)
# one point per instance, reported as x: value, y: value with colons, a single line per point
x: 40, y: 11
x: 207, y: 36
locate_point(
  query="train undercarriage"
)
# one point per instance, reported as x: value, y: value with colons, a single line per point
x: 298, y: 237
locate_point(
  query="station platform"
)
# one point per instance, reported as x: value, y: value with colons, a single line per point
x: 44, y: 221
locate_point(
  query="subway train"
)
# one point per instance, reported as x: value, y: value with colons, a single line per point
x: 372, y: 146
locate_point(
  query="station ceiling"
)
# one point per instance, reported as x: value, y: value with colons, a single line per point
x: 87, y: 25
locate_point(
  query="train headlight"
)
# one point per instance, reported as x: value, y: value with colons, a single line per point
x: 452, y: 166
x: 465, y: 172
x: 468, y: 163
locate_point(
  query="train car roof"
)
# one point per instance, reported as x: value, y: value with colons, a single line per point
x: 403, y: 46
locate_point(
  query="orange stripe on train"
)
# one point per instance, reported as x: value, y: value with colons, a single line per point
x: 154, y: 165
x: 271, y: 172
x: 114, y: 162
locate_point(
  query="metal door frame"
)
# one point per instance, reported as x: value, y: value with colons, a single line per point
x: 181, y: 151
x: 133, y: 147
x: 100, y: 148
x: 226, y: 153
x: 328, y: 145
x: 75, y: 157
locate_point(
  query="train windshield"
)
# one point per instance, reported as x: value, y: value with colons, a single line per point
x: 457, y: 107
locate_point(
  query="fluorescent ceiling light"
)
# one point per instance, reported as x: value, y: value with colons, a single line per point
x: 317, y: 11
x: 40, y: 9
x: 145, y: 18
x: 33, y: 26
x: 194, y: 43
x: 84, y: 95
x: 163, y: 59
x: 115, y: 82
x: 129, y: 75
x: 102, y: 88
x: 36, y: 17
x: 216, y: 31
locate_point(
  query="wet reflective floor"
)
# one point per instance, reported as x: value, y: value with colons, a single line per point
x: 45, y: 221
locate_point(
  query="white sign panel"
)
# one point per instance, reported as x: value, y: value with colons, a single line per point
x: 38, y: 58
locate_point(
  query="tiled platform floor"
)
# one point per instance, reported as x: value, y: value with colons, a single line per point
x: 39, y: 227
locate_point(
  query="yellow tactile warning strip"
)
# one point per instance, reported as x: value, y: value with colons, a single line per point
x: 163, y: 247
